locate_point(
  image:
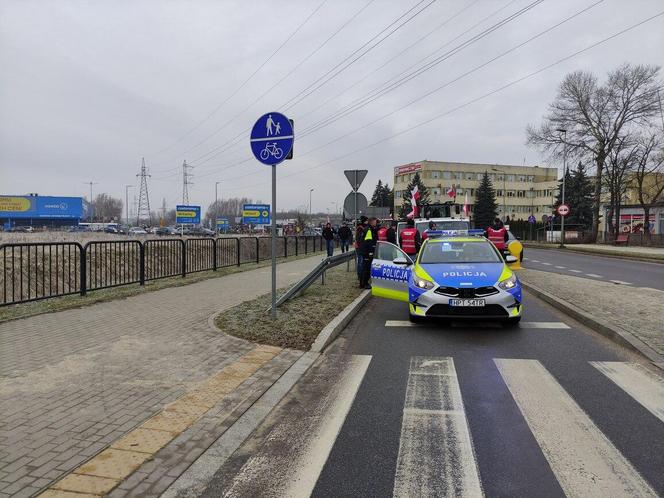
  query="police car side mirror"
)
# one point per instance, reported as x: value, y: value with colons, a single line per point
x: 401, y: 261
x: 511, y: 259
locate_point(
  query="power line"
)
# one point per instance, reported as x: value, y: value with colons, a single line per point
x: 298, y: 97
x: 237, y: 90
x: 389, y: 86
x: 472, y: 101
x: 143, y: 197
x: 297, y: 66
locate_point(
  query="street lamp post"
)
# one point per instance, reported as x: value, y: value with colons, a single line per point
x: 216, y: 207
x: 127, y: 187
x: 562, y: 218
x: 91, y: 204
x: 310, y: 191
x: 504, y: 191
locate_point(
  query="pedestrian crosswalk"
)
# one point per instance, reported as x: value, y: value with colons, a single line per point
x: 437, y: 453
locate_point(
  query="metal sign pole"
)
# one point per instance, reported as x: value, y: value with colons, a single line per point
x: 274, y: 241
x: 355, y: 190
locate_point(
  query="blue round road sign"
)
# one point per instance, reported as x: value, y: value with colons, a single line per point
x: 272, y: 138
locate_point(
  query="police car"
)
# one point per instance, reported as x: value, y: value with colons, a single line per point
x: 454, y: 276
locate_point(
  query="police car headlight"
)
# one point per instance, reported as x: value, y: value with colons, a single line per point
x: 423, y: 284
x: 508, y: 283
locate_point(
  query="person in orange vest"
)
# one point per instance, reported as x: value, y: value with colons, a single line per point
x: 409, y: 239
x: 382, y: 233
x: 497, y: 233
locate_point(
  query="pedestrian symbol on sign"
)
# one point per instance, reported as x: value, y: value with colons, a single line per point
x: 272, y: 138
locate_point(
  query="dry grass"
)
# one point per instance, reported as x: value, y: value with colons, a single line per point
x: 298, y: 321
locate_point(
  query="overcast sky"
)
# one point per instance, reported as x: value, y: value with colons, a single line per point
x: 89, y: 87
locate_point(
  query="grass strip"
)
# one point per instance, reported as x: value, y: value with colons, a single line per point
x: 299, y: 320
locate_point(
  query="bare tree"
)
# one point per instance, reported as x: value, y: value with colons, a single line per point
x: 225, y: 208
x: 648, y: 178
x: 107, y: 208
x: 595, y: 116
x: 620, y: 163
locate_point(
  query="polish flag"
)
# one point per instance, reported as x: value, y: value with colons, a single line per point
x: 414, y: 198
x: 466, y: 206
x: 451, y: 192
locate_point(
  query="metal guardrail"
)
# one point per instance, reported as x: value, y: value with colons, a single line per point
x: 33, y: 271
x: 319, y: 271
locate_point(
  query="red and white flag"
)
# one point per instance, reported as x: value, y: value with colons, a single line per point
x: 451, y: 192
x: 414, y: 199
x: 466, y: 206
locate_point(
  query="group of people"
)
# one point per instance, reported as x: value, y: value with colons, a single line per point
x: 367, y: 233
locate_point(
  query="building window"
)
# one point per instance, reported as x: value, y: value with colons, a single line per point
x: 510, y: 193
x: 510, y: 178
x: 480, y: 176
x: 447, y: 175
x: 435, y: 174
x: 520, y: 193
x: 458, y: 175
x: 499, y: 193
x: 435, y: 191
x: 469, y: 176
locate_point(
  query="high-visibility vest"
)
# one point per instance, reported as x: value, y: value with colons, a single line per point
x: 382, y: 233
x: 408, y: 240
x: 368, y: 234
x: 497, y: 237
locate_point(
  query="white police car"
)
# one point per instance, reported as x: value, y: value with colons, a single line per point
x: 454, y: 276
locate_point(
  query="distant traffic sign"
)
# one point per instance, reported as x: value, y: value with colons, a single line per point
x: 222, y: 224
x: 531, y: 219
x: 256, y: 214
x: 563, y: 210
x: 189, y: 215
x: 272, y: 138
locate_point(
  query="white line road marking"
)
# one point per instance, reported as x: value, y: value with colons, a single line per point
x: 560, y: 267
x: 309, y: 440
x: 399, y: 323
x: 593, y: 275
x: 576, y: 271
x: 640, y: 383
x: 436, y: 455
x: 534, y: 260
x: 584, y: 461
x: 543, y: 325
x: 547, y: 264
x: 620, y: 282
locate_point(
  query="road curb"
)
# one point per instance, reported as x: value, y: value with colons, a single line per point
x: 643, y: 259
x: 332, y: 329
x: 619, y: 336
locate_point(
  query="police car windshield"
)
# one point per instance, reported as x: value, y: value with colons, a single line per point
x: 458, y: 252
x: 444, y: 225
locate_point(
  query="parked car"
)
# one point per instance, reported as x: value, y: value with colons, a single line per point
x: 112, y: 229
x: 198, y: 232
x: 166, y: 231
x: 137, y: 231
x: 23, y: 229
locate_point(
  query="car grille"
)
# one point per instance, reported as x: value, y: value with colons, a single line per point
x: 443, y: 310
x: 467, y: 292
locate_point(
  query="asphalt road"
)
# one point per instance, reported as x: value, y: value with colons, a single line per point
x: 546, y: 409
x: 625, y: 271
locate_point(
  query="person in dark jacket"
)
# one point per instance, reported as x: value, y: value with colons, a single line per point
x: 359, y: 232
x: 345, y: 236
x: 328, y: 235
x: 392, y: 233
x: 367, y: 247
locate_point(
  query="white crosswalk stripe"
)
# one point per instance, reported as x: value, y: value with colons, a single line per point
x: 640, y: 383
x: 543, y: 325
x: 435, y: 452
x: 576, y: 271
x: 584, y: 461
x: 620, y: 282
x: 560, y: 267
x: 523, y: 325
x: 593, y: 275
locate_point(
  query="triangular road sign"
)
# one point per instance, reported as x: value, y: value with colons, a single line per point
x: 356, y: 177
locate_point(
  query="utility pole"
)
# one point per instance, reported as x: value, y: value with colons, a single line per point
x: 186, y: 182
x: 562, y: 218
x: 127, y: 187
x: 143, y: 197
x: 91, y: 201
x: 163, y: 210
x: 216, y: 206
x: 310, y: 191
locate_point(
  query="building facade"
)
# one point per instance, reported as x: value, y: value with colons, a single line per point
x: 40, y: 211
x: 520, y: 190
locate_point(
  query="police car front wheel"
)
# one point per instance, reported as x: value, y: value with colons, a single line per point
x: 512, y: 322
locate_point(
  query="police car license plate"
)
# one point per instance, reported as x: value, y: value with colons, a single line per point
x: 468, y: 302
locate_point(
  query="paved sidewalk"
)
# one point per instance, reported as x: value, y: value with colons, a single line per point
x: 75, y: 381
x: 613, y: 250
x: 633, y: 309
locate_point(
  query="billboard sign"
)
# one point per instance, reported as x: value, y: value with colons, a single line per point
x: 188, y: 215
x: 407, y: 168
x: 222, y: 224
x: 36, y: 206
x: 256, y: 214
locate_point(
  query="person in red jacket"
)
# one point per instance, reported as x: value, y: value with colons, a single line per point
x: 409, y: 239
x: 497, y: 233
x: 382, y: 233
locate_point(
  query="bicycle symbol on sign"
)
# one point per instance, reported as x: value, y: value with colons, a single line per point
x: 271, y: 149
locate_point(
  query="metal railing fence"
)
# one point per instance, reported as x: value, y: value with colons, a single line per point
x: 40, y: 270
